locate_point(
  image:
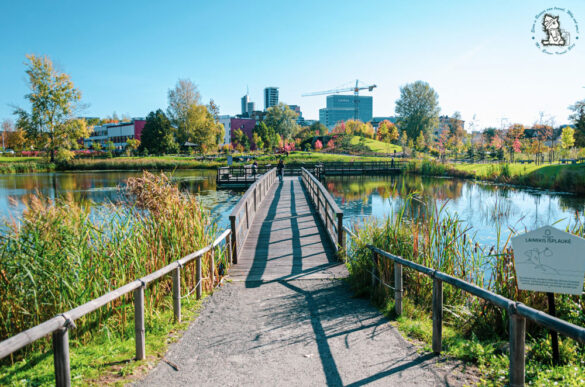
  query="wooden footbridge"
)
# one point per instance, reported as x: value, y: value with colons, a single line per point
x: 282, y: 231
x: 245, y: 175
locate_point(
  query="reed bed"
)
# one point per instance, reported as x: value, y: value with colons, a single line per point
x: 424, y: 233
x: 62, y: 254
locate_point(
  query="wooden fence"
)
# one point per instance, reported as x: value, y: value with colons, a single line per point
x: 517, y: 311
x: 242, y: 216
x: 59, y: 326
x: 329, y: 212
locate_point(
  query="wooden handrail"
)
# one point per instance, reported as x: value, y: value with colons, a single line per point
x: 324, y: 207
x: 518, y: 311
x: 59, y: 325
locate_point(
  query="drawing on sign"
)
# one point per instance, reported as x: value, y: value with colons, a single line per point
x: 537, y: 257
x: 549, y: 260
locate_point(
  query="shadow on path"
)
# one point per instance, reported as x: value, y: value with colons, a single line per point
x: 261, y: 256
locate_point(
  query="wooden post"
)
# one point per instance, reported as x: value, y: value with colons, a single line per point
x: 398, y: 288
x: 198, y: 278
x: 228, y: 243
x: 139, y: 322
x: 517, y: 337
x: 247, y: 217
x: 61, y: 358
x: 340, y: 232
x: 234, y: 240
x: 255, y: 199
x: 212, y: 268
x: 374, y: 269
x: 437, y: 315
x: 554, y: 337
x: 177, y: 294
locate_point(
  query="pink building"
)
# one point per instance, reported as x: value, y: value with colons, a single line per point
x: 118, y: 133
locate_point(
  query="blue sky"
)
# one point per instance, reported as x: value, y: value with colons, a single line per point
x: 125, y: 55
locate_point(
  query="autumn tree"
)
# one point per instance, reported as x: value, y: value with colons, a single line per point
x: 132, y: 145
x: 567, y: 137
x: 418, y: 109
x: 387, y: 132
x: 195, y: 122
x: 420, y: 141
x: 455, y: 124
x: 54, y: 101
x: 7, y: 128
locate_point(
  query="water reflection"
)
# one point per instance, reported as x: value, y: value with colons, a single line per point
x: 104, y: 187
x: 480, y: 205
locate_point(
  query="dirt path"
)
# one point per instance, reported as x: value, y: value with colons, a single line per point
x: 297, y: 332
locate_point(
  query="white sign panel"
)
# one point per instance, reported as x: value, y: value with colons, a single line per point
x: 549, y: 260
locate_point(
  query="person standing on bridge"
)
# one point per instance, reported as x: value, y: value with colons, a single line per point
x: 280, y: 169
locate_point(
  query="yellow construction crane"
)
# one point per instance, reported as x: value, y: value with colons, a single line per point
x: 356, y: 93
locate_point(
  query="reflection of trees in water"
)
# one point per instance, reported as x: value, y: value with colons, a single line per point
x: 481, y: 205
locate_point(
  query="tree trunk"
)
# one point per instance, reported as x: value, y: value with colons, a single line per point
x: 52, y: 147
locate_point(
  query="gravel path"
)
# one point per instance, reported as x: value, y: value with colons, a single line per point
x: 299, y: 333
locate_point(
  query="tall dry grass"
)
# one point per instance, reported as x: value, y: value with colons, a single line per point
x: 62, y: 254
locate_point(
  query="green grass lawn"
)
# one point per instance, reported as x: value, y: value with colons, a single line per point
x: 108, y: 358
x: 314, y: 157
x: 377, y: 146
x: 8, y: 159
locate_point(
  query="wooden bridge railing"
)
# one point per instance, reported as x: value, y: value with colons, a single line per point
x: 243, y: 214
x: 329, y: 212
x: 59, y: 325
x: 360, y: 167
x: 517, y: 311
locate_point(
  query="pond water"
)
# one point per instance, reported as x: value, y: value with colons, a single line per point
x: 480, y: 205
x: 104, y: 186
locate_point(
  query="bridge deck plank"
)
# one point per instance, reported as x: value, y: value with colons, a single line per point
x: 287, y: 240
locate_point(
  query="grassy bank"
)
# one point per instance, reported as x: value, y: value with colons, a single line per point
x: 566, y: 178
x: 63, y: 254
x: 475, y: 330
x: 375, y: 145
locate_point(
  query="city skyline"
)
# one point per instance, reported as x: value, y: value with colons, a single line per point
x: 478, y: 57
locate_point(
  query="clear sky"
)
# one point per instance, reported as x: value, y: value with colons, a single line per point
x: 125, y: 55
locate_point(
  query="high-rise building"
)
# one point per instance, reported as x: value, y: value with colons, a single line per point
x: 245, y: 101
x: 342, y: 108
x: 250, y: 108
x: 270, y: 97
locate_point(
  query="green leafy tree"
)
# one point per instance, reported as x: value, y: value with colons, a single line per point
x: 54, y: 100
x: 420, y: 141
x: 267, y: 135
x: 282, y: 119
x: 258, y: 141
x: 578, y: 118
x: 96, y: 145
x: 418, y: 109
x: 567, y: 137
x: 404, y: 138
x: 240, y: 139
x: 110, y: 148
x: 158, y: 135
